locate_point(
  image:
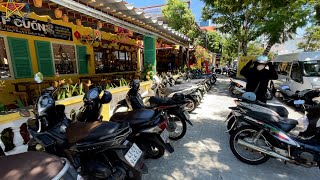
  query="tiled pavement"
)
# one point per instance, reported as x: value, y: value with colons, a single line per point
x: 204, y: 152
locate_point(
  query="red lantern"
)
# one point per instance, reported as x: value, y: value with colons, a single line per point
x: 77, y: 34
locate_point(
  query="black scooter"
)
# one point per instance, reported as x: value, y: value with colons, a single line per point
x: 98, y: 150
x: 148, y: 126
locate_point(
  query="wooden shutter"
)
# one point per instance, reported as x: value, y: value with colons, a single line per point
x: 82, y: 59
x: 44, y: 56
x: 20, y: 57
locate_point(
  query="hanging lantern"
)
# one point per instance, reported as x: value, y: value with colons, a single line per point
x: 130, y: 33
x: 115, y: 29
x: 65, y: 18
x: 77, y: 34
x: 37, y: 3
x: 58, y: 13
x: 78, y: 22
x: 99, y: 24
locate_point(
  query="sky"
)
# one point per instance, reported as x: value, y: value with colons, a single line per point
x: 196, y: 5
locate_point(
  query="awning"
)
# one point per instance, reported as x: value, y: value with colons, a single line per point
x: 119, y: 13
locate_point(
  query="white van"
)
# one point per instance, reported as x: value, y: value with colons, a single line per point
x: 299, y: 71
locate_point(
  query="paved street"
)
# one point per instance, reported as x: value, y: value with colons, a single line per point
x: 204, y: 152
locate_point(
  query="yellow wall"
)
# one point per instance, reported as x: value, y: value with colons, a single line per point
x: 5, y: 97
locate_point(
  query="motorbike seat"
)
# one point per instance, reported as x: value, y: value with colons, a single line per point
x: 282, y: 111
x: 136, y: 117
x: 284, y: 124
x: 30, y: 165
x: 92, y: 131
x: 156, y: 101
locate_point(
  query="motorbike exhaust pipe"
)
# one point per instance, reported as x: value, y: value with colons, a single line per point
x: 265, y: 151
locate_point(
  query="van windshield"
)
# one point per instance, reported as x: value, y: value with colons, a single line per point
x: 312, y: 68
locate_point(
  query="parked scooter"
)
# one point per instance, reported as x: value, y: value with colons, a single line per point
x: 236, y: 90
x: 267, y: 136
x: 309, y: 96
x: 42, y: 165
x: 98, y: 150
x: 148, y: 126
x: 248, y: 102
x: 174, y: 108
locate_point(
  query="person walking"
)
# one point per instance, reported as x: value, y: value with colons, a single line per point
x: 258, y: 74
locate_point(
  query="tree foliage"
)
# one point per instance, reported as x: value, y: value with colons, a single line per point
x: 212, y: 41
x: 179, y: 16
x: 246, y: 20
x: 230, y: 49
x: 312, y: 37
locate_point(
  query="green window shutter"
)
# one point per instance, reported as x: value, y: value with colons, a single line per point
x: 20, y: 57
x: 44, y: 56
x: 82, y: 59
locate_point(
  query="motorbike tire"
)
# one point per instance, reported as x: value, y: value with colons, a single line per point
x: 235, y: 152
x: 184, y: 126
x: 194, y: 105
x: 151, y: 153
x: 120, y: 108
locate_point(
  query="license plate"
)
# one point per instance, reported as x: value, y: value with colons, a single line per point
x: 186, y: 114
x: 133, y: 155
x: 165, y: 136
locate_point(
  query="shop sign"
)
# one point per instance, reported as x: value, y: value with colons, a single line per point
x: 17, y: 24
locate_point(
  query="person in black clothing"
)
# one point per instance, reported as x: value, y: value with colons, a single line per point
x: 258, y: 74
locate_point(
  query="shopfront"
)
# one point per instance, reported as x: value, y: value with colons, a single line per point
x: 57, y: 49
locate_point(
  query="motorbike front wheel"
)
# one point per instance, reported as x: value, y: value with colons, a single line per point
x: 177, y: 127
x: 246, y: 154
x: 191, y: 106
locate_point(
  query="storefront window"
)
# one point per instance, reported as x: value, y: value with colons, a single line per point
x: 64, y: 58
x: 4, y: 64
x: 107, y: 61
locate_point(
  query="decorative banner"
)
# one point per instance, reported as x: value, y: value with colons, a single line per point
x: 13, y: 7
x: 17, y: 24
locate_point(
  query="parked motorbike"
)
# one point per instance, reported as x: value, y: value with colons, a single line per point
x: 249, y: 103
x: 174, y: 108
x: 19, y: 166
x: 267, y: 136
x: 309, y: 96
x: 148, y: 126
x: 98, y: 150
x: 236, y: 90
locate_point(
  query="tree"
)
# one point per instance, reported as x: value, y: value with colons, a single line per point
x: 212, y: 41
x: 179, y: 16
x: 312, y: 37
x: 249, y: 19
x: 230, y: 49
x: 238, y: 18
x: 282, y: 20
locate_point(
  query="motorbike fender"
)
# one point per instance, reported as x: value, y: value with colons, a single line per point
x: 157, y: 139
x: 181, y: 113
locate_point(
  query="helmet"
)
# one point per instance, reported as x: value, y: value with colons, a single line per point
x: 178, y: 97
x: 250, y: 96
x: 134, y: 84
x: 106, y: 97
x: 262, y: 59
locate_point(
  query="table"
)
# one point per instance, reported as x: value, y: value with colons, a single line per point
x: 27, y: 86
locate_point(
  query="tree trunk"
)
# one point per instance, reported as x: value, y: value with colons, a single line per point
x: 267, y: 50
x: 244, y: 46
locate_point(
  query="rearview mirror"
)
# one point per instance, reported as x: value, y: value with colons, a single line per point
x: 298, y: 102
x: 285, y: 87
